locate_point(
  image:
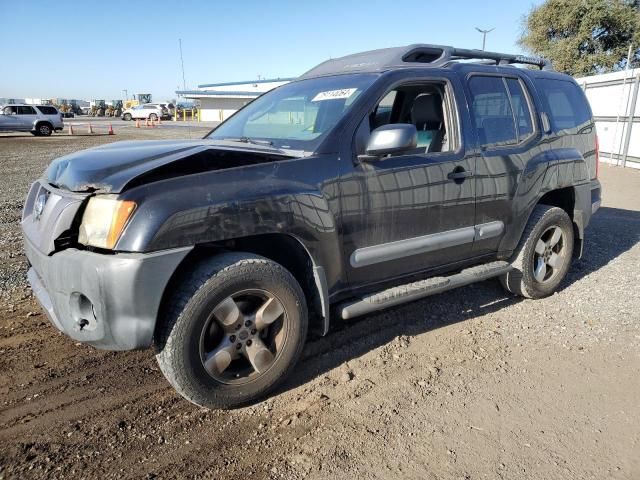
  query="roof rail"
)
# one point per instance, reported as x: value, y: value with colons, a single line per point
x: 417, y: 55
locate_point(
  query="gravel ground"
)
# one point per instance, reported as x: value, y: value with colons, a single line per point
x: 469, y: 384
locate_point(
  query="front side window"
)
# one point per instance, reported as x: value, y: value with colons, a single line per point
x: 424, y: 105
x: 297, y: 115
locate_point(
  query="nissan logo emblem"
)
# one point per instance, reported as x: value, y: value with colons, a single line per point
x: 38, y: 207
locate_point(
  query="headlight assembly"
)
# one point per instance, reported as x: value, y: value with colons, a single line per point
x: 104, y: 220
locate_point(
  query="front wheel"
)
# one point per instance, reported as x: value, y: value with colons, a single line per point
x: 232, y: 331
x: 127, y: 117
x: 543, y: 256
x: 153, y: 117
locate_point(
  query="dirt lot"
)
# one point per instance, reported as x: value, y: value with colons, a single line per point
x: 470, y: 384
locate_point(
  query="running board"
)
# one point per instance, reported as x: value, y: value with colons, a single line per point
x: 420, y: 289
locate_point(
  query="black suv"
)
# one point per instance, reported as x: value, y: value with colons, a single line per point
x: 371, y: 180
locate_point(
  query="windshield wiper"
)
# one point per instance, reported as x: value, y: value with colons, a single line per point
x: 250, y: 140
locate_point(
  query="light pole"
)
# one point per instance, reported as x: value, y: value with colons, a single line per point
x: 484, y: 35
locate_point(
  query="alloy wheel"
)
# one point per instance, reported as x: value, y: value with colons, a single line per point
x: 549, y: 254
x: 243, y: 336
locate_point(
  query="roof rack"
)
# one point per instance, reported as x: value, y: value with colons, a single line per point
x: 418, y: 55
x: 454, y: 54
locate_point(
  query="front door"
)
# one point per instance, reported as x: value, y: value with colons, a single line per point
x: 411, y: 212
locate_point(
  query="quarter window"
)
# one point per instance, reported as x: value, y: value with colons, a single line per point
x: 566, y: 104
x: 46, y: 110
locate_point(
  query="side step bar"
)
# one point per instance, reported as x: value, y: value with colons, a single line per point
x: 420, y: 289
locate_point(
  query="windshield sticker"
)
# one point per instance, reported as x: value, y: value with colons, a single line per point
x: 334, y: 94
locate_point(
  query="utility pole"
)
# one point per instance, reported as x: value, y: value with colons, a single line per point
x: 484, y: 35
x: 184, y: 83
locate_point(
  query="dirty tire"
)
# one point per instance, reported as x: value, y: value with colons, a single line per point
x: 153, y: 117
x: 521, y: 280
x: 189, y: 308
x: 127, y: 117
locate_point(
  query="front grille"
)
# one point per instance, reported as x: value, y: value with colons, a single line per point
x: 49, y: 214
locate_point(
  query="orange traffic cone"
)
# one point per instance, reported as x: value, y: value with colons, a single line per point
x: 70, y: 129
x: 159, y: 121
x: 137, y: 123
x: 90, y: 130
x: 111, y: 132
x: 146, y: 122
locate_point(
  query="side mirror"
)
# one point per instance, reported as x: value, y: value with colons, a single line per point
x: 392, y: 138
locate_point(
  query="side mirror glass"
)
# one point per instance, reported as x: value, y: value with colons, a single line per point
x: 392, y: 138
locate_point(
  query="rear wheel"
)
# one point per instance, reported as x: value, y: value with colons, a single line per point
x: 127, y: 117
x: 233, y: 330
x: 44, y: 129
x: 153, y: 117
x: 543, y: 256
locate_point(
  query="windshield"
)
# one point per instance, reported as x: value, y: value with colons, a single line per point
x: 297, y: 115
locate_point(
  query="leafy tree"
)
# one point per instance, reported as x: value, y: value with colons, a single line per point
x: 584, y: 37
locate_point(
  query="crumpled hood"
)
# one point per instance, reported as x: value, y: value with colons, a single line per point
x: 109, y: 168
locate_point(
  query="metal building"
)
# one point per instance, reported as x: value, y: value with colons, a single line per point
x: 616, y: 108
x: 218, y: 101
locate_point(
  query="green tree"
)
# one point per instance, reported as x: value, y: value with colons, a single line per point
x: 584, y: 37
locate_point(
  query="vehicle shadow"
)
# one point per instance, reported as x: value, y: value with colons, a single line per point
x: 611, y: 233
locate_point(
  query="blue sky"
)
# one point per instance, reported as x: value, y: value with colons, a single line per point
x: 95, y: 49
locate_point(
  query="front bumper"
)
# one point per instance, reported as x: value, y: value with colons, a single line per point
x: 108, y: 301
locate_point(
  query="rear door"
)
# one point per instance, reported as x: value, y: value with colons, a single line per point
x: 27, y: 116
x: 502, y: 113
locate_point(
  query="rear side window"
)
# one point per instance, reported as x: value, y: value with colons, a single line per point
x: 524, y: 124
x: 565, y: 102
x: 500, y: 110
x: 24, y: 110
x: 46, y: 110
x: 492, y: 111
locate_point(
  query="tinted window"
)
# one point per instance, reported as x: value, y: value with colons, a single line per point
x: 566, y: 104
x: 524, y: 125
x: 491, y: 110
x: 22, y: 110
x: 47, y: 110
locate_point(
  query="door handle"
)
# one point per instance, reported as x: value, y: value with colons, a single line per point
x: 460, y: 174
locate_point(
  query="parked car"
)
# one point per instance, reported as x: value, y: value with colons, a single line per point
x: 146, y: 111
x: 40, y: 120
x: 168, y: 110
x: 372, y: 180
